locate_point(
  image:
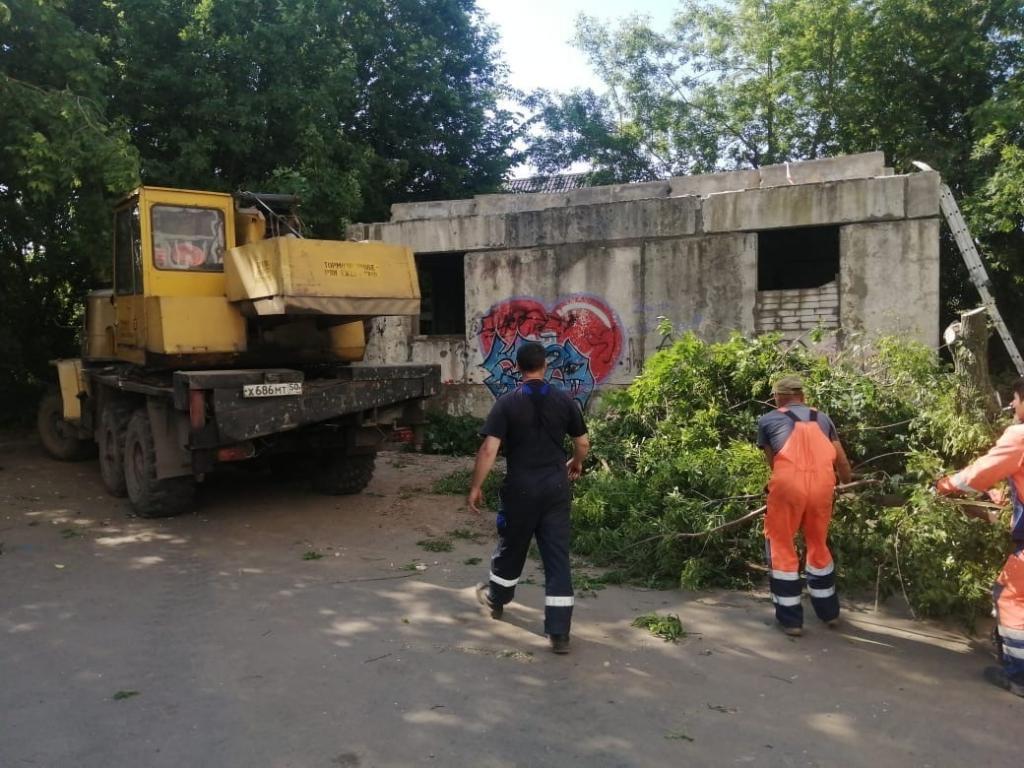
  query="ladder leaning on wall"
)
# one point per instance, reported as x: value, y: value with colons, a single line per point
x: 975, y: 267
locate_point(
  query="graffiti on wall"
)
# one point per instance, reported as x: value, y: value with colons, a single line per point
x: 581, y: 333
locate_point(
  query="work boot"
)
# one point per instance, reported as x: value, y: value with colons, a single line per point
x: 791, y: 631
x: 832, y: 623
x: 559, y: 643
x: 483, y: 596
x: 998, y: 678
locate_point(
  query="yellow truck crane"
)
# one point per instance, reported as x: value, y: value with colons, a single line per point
x: 228, y: 336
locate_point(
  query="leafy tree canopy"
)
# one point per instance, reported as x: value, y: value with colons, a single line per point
x: 352, y: 104
x: 747, y: 83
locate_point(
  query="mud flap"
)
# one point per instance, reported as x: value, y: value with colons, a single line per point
x: 170, y: 438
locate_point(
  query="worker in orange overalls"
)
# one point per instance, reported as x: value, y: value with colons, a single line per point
x: 1004, y: 462
x: 805, y: 455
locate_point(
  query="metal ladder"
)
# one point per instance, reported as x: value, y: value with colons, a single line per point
x: 975, y: 267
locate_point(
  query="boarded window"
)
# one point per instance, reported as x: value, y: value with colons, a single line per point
x: 797, y: 286
x: 787, y: 259
x: 443, y: 294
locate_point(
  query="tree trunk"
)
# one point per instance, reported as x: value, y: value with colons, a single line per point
x: 968, y: 342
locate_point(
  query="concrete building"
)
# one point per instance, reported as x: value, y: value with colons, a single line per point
x: 839, y: 243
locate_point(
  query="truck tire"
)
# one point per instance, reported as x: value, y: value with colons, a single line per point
x: 149, y: 496
x: 110, y: 440
x: 59, y: 438
x: 342, y: 474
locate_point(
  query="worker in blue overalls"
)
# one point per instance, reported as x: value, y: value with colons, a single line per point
x: 531, y: 424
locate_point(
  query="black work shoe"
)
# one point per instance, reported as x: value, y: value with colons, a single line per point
x: 483, y: 596
x: 559, y: 643
x: 998, y: 678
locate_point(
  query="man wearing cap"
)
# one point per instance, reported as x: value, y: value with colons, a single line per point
x: 805, y: 455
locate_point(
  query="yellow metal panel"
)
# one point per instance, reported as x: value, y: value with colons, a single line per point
x: 189, y: 325
x: 100, y: 319
x: 292, y: 275
x: 69, y: 375
x: 130, y: 331
x: 162, y: 282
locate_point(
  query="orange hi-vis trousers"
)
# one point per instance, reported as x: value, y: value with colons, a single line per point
x: 800, y: 495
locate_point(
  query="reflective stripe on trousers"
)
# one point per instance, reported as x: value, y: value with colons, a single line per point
x: 538, y: 509
x: 800, y: 499
x: 1008, y: 593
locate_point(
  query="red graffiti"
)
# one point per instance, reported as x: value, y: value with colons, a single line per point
x: 587, y: 322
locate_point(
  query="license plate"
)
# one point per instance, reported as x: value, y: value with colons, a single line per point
x: 280, y: 389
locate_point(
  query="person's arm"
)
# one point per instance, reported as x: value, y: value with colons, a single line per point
x: 580, y: 449
x: 1003, y: 460
x: 842, y: 463
x: 769, y: 456
x: 485, y: 458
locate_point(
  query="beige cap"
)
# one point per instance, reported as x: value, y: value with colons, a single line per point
x: 788, y: 385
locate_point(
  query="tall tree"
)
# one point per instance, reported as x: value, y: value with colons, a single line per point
x: 61, y: 162
x: 750, y: 82
x: 355, y: 104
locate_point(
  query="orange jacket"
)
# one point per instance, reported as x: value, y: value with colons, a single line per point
x: 1005, y: 461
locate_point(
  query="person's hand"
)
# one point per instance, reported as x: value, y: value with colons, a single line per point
x: 575, y: 468
x: 998, y: 496
x: 945, y: 487
x: 475, y: 499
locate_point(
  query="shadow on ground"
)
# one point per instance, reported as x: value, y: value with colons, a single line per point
x: 229, y: 648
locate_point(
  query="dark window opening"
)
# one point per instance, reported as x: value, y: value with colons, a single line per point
x: 127, y: 252
x: 787, y: 259
x: 442, y: 294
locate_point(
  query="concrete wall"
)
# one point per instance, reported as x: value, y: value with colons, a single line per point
x: 889, y: 279
x: 589, y: 272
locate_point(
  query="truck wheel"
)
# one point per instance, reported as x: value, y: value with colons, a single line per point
x: 341, y: 474
x: 59, y: 438
x: 110, y: 439
x: 151, y: 497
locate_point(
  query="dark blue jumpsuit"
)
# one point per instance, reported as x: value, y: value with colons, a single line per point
x: 532, y: 423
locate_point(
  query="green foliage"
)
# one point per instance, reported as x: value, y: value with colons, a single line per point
x: 464, y: 534
x: 436, y: 544
x: 451, y: 435
x: 62, y: 159
x: 312, y: 555
x: 587, y: 584
x: 352, y: 104
x: 457, y: 484
x: 674, y: 453
x: 667, y: 627
x: 746, y: 83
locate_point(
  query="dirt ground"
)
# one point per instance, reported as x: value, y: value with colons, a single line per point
x: 208, y: 640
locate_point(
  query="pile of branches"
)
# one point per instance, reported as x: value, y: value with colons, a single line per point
x: 674, y: 494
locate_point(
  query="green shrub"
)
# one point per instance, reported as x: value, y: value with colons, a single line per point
x: 457, y: 484
x: 451, y: 435
x: 674, y: 450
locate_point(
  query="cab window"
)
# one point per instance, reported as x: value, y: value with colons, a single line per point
x: 188, y: 239
x: 127, y: 252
